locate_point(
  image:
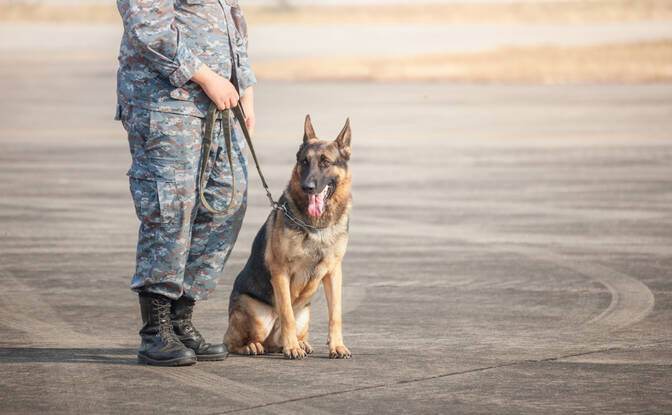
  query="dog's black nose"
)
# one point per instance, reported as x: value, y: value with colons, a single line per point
x: 308, y: 186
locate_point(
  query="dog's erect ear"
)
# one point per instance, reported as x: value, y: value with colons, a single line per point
x: 343, y: 140
x: 308, y: 132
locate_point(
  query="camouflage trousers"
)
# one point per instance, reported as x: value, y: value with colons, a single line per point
x: 182, y: 248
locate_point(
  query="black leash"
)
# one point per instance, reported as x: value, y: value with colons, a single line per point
x: 225, y: 123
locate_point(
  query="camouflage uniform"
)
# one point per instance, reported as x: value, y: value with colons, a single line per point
x: 182, y: 248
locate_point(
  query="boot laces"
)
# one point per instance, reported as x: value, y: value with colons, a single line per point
x: 162, y: 315
x: 188, y: 328
x: 186, y: 324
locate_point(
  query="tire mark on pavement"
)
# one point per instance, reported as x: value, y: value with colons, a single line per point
x: 631, y: 299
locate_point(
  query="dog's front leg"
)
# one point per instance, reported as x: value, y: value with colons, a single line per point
x: 332, y: 291
x: 283, y: 306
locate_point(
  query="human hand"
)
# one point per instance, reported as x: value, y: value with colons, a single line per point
x: 247, y: 101
x: 217, y: 88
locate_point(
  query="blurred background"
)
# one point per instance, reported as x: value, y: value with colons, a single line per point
x: 51, y: 48
x: 541, y: 41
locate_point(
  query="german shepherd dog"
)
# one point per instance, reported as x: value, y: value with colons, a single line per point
x: 294, y: 251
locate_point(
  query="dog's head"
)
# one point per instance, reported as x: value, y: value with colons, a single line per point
x: 321, y: 170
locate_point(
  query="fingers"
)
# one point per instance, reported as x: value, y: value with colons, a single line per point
x: 233, y: 99
x: 221, y: 92
x: 228, y: 101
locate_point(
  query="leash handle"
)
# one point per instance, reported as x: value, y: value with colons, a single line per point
x: 225, y: 122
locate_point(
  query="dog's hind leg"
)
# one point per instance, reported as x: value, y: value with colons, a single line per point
x: 302, y: 322
x: 237, y: 333
x: 250, y: 323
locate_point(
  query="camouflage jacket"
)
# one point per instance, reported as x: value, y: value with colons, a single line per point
x: 164, y: 44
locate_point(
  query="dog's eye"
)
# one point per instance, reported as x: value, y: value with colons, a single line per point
x: 324, y: 163
x: 304, y: 162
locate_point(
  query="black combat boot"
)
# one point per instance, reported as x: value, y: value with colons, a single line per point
x: 181, y: 316
x: 160, y: 346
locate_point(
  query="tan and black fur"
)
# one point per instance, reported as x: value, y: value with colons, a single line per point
x: 269, y: 307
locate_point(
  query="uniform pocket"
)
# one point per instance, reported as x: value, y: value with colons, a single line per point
x: 156, y: 200
x: 163, y: 165
x: 155, y: 192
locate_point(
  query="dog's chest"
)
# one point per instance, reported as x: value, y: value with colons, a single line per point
x: 317, y: 253
x: 313, y: 257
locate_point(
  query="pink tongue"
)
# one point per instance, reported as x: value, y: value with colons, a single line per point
x: 316, y: 203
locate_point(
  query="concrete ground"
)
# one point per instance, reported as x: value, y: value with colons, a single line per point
x: 511, y: 252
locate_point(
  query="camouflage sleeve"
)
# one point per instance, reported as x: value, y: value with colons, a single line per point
x: 150, y: 30
x: 247, y: 77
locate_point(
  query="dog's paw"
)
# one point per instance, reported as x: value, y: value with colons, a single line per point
x: 253, y: 349
x: 294, y: 352
x: 339, y: 352
x: 305, y: 346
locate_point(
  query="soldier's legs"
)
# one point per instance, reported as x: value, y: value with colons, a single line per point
x: 165, y: 149
x: 182, y: 248
x: 213, y: 236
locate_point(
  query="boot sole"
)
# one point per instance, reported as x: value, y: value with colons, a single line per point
x: 182, y: 361
x: 211, y: 357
